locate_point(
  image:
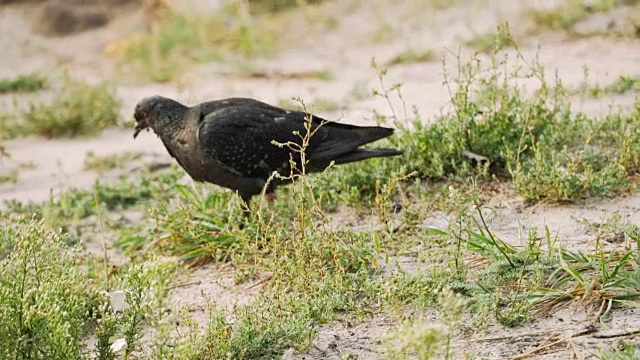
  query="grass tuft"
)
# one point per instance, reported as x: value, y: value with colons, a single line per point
x: 565, y: 16
x: 492, y: 41
x: 23, y: 83
x: 622, y: 85
x: 411, y: 57
x: 102, y: 164
x: 79, y: 109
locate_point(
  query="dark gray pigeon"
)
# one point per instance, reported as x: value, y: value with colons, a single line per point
x: 229, y: 142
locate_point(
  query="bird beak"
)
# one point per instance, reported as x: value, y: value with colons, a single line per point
x: 141, y: 126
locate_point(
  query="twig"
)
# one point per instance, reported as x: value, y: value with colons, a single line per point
x: 575, y: 350
x: 622, y: 334
x: 505, y: 337
x: 495, y: 242
x: 184, y: 285
x: 526, y: 354
x: 105, y: 254
x: 600, y: 311
x: 261, y: 282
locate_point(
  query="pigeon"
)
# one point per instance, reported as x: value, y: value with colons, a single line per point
x: 238, y: 143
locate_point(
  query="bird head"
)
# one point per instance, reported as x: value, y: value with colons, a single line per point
x: 149, y: 113
x: 143, y: 113
x: 161, y: 114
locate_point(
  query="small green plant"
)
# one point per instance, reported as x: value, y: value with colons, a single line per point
x: 9, y: 128
x: 411, y: 57
x: 109, y: 162
x: 10, y: 177
x: 23, y: 83
x: 384, y: 33
x: 603, y: 278
x: 208, y: 236
x: 492, y: 41
x: 622, y: 350
x: 79, y: 109
x: 419, y: 338
x: 622, y: 85
x: 258, y: 6
x: 44, y: 299
x: 427, y: 340
x: 567, y: 15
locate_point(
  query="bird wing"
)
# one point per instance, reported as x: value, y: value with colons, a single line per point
x: 240, y: 136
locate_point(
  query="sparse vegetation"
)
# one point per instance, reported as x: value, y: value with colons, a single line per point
x: 383, y: 34
x: 565, y: 16
x: 10, y: 177
x: 68, y: 210
x: 622, y: 350
x: 109, y: 162
x: 78, y: 109
x: 411, y: 57
x: 492, y: 41
x: 178, y: 41
x: 324, y: 74
x: 258, y: 6
x: 22, y: 83
x: 623, y: 85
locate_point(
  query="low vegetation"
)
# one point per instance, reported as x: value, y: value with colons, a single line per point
x: 623, y: 85
x: 568, y: 14
x: 102, y: 164
x: 258, y: 6
x: 177, y: 41
x: 310, y: 270
x: 411, y: 57
x: 492, y: 41
x: 78, y: 109
x: 22, y: 83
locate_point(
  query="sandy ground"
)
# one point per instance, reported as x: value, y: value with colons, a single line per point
x: 346, y: 51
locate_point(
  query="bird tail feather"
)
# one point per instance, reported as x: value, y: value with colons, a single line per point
x: 362, y: 154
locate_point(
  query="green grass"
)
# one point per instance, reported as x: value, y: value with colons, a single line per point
x: 178, y: 41
x: 411, y: 57
x: 101, y: 164
x: 491, y: 41
x: 10, y: 177
x: 78, y: 109
x: 623, y: 85
x: 565, y: 16
x: 22, y: 84
x: 548, y: 151
x: 70, y: 209
x: 621, y: 351
x: 258, y: 6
